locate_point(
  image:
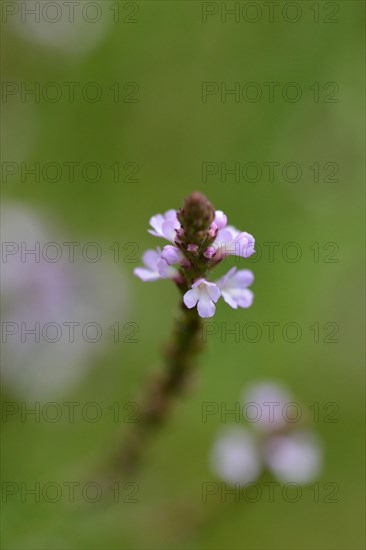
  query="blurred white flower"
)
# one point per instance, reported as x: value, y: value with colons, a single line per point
x: 296, y: 457
x: 58, y: 293
x: 265, y: 405
x: 275, y: 441
x: 71, y: 27
x: 234, y: 457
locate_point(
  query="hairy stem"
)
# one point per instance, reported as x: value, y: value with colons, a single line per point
x: 156, y: 403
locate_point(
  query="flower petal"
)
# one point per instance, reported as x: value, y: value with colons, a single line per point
x: 171, y: 254
x: 190, y: 298
x: 243, y: 278
x: 150, y: 258
x: 146, y: 274
x: 220, y: 219
x: 246, y: 298
x: 229, y: 299
x: 156, y: 222
x: 213, y: 292
x: 233, y: 231
x: 222, y: 281
x: 206, y: 307
x: 168, y: 230
x: 224, y: 236
x: 165, y: 270
x: 159, y: 229
x: 171, y: 215
x: 244, y: 245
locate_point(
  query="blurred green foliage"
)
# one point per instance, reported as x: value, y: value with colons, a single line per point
x: 169, y: 133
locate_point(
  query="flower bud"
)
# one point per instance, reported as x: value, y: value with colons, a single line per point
x: 196, y: 218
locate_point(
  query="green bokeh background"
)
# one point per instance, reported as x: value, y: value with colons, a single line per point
x: 169, y: 133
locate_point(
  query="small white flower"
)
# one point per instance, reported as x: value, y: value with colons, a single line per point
x: 155, y: 267
x: 203, y: 294
x: 295, y: 457
x: 234, y: 457
x: 164, y: 225
x: 233, y: 287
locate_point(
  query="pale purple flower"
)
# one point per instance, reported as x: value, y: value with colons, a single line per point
x: 68, y: 295
x: 220, y: 219
x: 233, y: 287
x: 155, y: 267
x: 296, y: 457
x: 203, y: 294
x: 235, y: 458
x: 164, y: 225
x: 231, y: 242
x: 271, y: 405
x: 172, y: 255
x: 289, y: 453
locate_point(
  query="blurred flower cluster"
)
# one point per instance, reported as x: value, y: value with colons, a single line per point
x: 64, y: 296
x: 288, y: 449
x: 73, y: 28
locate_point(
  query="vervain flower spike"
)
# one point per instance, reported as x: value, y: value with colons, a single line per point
x: 199, y: 240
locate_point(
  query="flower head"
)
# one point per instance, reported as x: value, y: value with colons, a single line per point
x: 201, y: 239
x: 203, y: 294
